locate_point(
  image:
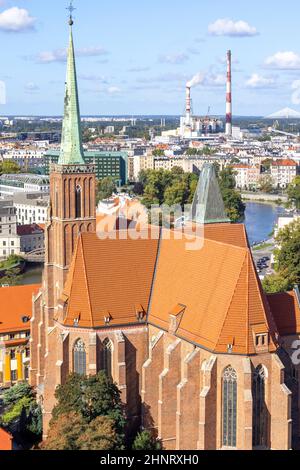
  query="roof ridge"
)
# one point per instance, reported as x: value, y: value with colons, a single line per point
x: 248, y: 304
x: 86, y: 280
x: 231, y: 299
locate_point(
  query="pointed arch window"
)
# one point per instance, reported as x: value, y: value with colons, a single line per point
x: 108, y: 357
x: 229, y: 405
x: 260, y: 412
x: 78, y: 202
x: 79, y: 358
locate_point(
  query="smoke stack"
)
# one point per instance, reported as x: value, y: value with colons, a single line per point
x: 188, y: 107
x: 229, y: 97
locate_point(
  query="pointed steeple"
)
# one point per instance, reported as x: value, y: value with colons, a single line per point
x: 208, y: 206
x: 71, y: 152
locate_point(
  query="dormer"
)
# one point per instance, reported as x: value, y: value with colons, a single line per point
x: 260, y: 338
x: 175, y: 317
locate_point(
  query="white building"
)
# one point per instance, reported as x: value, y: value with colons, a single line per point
x: 31, y: 238
x: 246, y: 176
x: 31, y: 208
x: 284, y: 172
x: 23, y: 183
x: 10, y: 243
x: 29, y: 157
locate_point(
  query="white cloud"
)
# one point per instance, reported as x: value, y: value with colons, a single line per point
x: 16, y: 20
x: 60, y: 55
x: 31, y: 87
x: 2, y: 92
x: 215, y: 80
x: 258, y: 81
x: 167, y: 77
x: 93, y: 78
x: 228, y: 27
x: 175, y: 59
x: 287, y: 60
x: 139, y: 69
x: 296, y: 93
x: 113, y: 90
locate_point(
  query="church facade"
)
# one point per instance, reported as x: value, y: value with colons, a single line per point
x: 201, y: 355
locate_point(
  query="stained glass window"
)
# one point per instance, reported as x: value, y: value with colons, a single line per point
x: 78, y: 202
x: 79, y: 356
x: 107, y: 357
x: 229, y: 407
x: 260, y: 412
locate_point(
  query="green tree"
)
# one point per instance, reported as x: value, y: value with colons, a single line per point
x: 91, y: 397
x: 106, y: 187
x: 20, y: 406
x: 65, y: 431
x: 275, y: 283
x: 177, y: 193
x: 234, y: 206
x: 266, y: 183
x: 14, y: 394
x: 9, y: 167
x: 294, y: 192
x: 287, y: 256
x: 145, y: 441
x: 100, y: 434
x: 15, y: 411
x: 227, y: 179
x: 287, y: 260
x: 158, y: 153
x: 266, y: 164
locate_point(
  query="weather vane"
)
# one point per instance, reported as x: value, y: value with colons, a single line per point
x: 71, y: 8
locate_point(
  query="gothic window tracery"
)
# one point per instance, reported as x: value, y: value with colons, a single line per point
x: 229, y: 412
x: 107, y: 357
x: 79, y: 357
x: 78, y: 202
x: 260, y: 412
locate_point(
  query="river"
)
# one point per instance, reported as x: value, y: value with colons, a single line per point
x: 259, y: 219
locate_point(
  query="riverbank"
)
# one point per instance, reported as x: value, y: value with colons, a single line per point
x: 265, y: 198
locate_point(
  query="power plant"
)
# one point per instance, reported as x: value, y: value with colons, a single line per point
x: 196, y: 126
x: 193, y: 127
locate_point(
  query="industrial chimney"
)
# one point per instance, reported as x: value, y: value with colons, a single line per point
x: 229, y: 97
x: 188, y: 106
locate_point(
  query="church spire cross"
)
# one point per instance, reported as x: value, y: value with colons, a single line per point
x: 71, y: 8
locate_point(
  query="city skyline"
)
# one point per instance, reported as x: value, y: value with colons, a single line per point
x: 136, y: 60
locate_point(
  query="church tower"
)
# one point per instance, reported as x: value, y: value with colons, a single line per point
x: 72, y: 191
x: 72, y: 211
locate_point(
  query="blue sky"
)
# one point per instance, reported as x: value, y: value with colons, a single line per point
x: 135, y: 57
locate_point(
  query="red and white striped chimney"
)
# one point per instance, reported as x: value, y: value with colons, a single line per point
x: 229, y: 97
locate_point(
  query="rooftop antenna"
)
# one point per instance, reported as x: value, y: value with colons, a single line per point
x: 71, y: 8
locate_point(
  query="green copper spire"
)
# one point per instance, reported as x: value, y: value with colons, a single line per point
x: 71, y: 152
x: 208, y: 206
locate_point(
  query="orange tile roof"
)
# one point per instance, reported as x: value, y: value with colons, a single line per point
x: 282, y: 162
x: 109, y: 278
x: 231, y: 234
x: 286, y: 311
x: 221, y: 291
x: 16, y: 302
x: 216, y: 287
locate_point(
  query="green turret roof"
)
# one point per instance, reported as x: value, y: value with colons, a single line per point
x: 208, y: 206
x: 71, y: 152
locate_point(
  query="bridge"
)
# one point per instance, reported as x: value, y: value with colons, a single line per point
x: 35, y: 256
